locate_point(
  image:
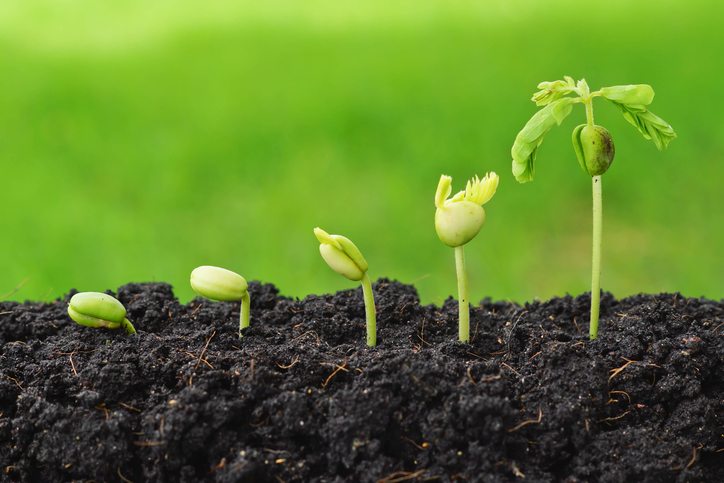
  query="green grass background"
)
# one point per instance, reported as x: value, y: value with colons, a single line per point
x: 141, y: 139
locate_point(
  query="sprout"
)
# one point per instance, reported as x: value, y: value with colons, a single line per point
x: 223, y: 285
x: 592, y: 144
x: 344, y: 257
x: 95, y: 309
x: 457, y: 221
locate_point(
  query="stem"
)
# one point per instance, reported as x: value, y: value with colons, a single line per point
x: 463, y: 304
x: 596, y: 256
x: 370, y: 311
x: 589, y: 111
x: 130, y: 329
x: 244, y: 313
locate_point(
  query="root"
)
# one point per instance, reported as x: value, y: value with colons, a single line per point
x: 470, y: 375
x: 129, y: 407
x: 399, y: 476
x: 293, y: 363
x: 201, y: 358
x: 516, y: 471
x: 614, y: 418
x: 694, y: 455
x: 578, y: 329
x: 612, y: 400
x: 615, y: 372
x: 527, y: 422
x: 337, y: 369
x: 123, y: 478
x: 511, y: 369
x: 425, y: 445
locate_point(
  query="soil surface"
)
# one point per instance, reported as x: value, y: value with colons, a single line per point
x: 301, y: 398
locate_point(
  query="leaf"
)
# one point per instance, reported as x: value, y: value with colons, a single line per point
x: 553, y: 90
x: 648, y: 124
x: 577, y: 147
x: 529, y: 139
x: 637, y: 94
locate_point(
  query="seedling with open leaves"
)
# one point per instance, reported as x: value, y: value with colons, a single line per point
x: 592, y: 144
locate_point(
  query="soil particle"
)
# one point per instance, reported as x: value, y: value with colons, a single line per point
x: 301, y: 398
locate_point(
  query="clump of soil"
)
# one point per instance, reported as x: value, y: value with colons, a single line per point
x: 301, y: 398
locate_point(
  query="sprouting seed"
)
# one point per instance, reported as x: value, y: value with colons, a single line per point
x: 96, y: 309
x: 457, y: 221
x: 344, y: 257
x: 592, y: 144
x: 220, y: 284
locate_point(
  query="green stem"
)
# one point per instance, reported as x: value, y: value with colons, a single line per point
x: 244, y: 313
x: 130, y: 329
x: 596, y: 256
x: 589, y: 111
x: 370, y: 311
x: 463, y: 303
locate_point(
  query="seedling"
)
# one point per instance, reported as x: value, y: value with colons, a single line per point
x: 457, y: 221
x: 344, y: 257
x: 592, y: 144
x: 95, y: 309
x: 223, y: 285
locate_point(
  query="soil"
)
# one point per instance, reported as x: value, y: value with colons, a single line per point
x: 301, y: 398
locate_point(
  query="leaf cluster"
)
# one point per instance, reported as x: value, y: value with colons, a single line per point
x: 557, y: 99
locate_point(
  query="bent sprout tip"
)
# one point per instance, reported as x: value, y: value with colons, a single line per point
x: 220, y: 284
x: 343, y: 256
x: 96, y: 309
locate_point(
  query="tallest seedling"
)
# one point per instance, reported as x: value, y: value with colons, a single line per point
x: 592, y: 144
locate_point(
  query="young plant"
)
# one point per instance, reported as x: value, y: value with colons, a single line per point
x: 457, y: 221
x: 223, y: 285
x: 95, y: 309
x: 592, y: 144
x: 344, y: 257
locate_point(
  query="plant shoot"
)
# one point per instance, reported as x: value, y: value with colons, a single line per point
x: 344, y: 257
x: 222, y: 285
x: 457, y: 221
x: 592, y: 144
x: 96, y: 309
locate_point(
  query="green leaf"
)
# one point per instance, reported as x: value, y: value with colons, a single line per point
x: 648, y: 124
x: 637, y: 94
x: 578, y: 147
x: 553, y: 90
x: 529, y: 139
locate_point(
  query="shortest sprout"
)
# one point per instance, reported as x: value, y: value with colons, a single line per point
x: 220, y: 284
x: 96, y: 309
x: 344, y: 257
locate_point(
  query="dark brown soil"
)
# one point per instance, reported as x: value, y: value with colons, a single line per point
x: 301, y: 398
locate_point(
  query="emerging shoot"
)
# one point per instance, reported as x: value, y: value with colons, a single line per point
x: 592, y: 144
x: 223, y: 285
x: 95, y: 309
x: 344, y: 257
x: 457, y: 221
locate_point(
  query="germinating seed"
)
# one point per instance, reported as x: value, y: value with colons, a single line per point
x: 216, y: 283
x: 457, y: 221
x: 96, y: 309
x: 345, y: 258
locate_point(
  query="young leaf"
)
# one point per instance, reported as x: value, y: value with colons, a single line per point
x: 531, y: 136
x: 551, y: 91
x: 648, y: 124
x: 638, y: 94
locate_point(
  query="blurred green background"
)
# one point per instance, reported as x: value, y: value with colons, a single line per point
x: 140, y: 139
